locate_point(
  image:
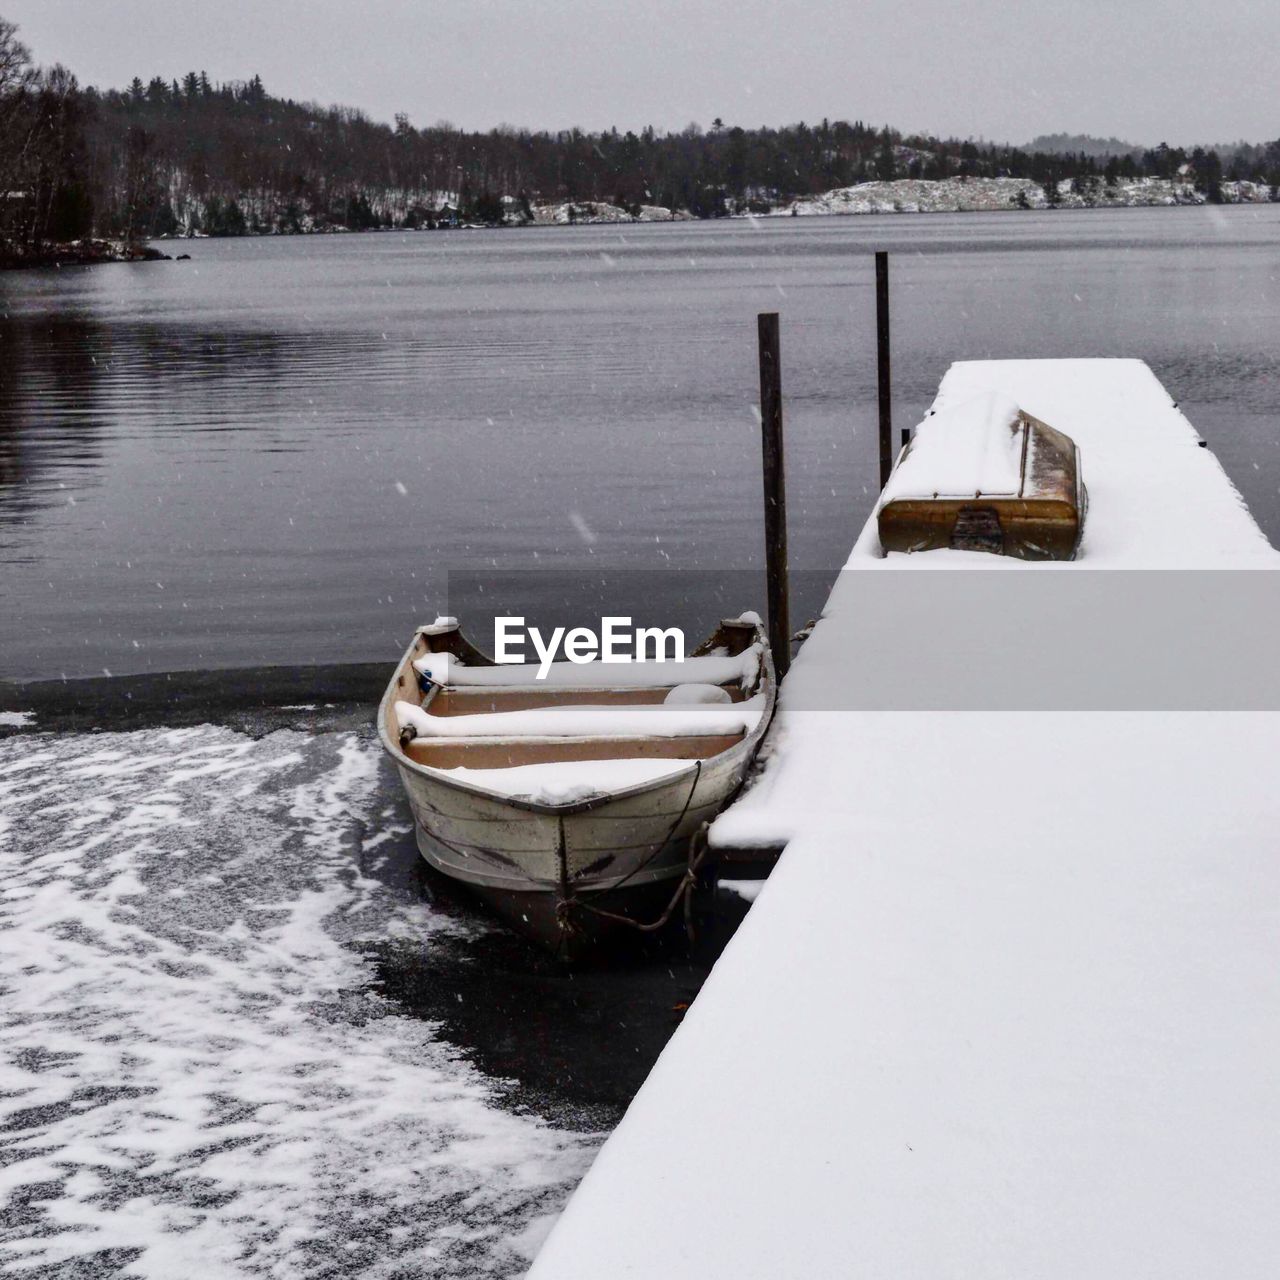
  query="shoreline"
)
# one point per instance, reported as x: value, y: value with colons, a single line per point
x: 902, y: 196
x: 257, y: 700
x: 82, y: 253
x: 802, y: 207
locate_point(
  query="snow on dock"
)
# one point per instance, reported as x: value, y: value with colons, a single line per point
x: 1009, y: 1003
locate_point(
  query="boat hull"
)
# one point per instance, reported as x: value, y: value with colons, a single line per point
x: 551, y: 873
x: 537, y: 914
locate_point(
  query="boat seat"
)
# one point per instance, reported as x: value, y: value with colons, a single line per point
x: 603, y: 720
x: 445, y: 669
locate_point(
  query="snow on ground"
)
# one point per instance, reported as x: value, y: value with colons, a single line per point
x: 197, y: 1079
x: 922, y: 195
x: 970, y: 195
x: 581, y: 211
x: 17, y: 719
x: 1010, y: 1003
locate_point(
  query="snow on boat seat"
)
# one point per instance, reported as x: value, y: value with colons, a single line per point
x: 445, y: 669
x: 688, y: 695
x: 568, y: 781
x: 982, y: 475
x: 662, y: 720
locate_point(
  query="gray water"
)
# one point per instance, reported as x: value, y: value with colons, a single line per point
x: 274, y: 453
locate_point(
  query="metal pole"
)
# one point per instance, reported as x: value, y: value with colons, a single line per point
x: 882, y: 366
x: 775, y: 491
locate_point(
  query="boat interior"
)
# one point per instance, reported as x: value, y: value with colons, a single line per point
x: 488, y: 748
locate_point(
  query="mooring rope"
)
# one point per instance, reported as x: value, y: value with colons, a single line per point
x: 573, y: 901
x: 683, y: 890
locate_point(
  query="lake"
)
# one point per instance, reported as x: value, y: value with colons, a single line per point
x: 275, y: 452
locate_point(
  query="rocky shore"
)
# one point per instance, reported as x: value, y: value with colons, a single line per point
x: 975, y: 195
x: 78, y: 253
x: 904, y: 195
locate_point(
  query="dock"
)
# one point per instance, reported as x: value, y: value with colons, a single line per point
x: 1009, y: 1004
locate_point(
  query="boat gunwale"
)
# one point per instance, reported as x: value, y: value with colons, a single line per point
x: 744, y: 746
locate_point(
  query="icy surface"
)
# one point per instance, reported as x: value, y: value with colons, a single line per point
x: 444, y: 668
x: 968, y: 447
x: 1010, y: 1003
x: 197, y: 1079
x: 565, y: 782
x: 617, y: 720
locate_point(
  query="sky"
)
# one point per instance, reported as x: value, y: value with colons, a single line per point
x: 1144, y: 70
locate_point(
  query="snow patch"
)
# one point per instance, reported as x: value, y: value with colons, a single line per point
x: 686, y: 695
x: 445, y: 669
x: 568, y: 782
x: 972, y: 446
x: 974, y: 195
x: 439, y: 627
x: 609, y: 720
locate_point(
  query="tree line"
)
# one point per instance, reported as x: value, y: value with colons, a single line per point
x: 179, y: 156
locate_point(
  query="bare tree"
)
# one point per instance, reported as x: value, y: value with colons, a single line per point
x: 15, y: 78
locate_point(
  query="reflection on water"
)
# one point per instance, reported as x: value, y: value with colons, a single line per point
x: 48, y: 421
x: 275, y: 453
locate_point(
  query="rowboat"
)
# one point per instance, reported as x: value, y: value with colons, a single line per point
x: 569, y: 802
x: 984, y: 475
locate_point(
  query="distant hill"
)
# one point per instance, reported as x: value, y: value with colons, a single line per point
x: 175, y: 156
x: 1075, y: 144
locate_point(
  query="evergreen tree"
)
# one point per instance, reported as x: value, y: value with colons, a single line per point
x: 886, y: 163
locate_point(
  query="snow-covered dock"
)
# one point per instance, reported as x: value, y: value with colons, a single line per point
x: 1010, y: 1003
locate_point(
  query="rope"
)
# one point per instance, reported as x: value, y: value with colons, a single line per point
x: 662, y: 848
x: 687, y: 882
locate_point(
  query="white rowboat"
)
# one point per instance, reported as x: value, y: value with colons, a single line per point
x: 569, y: 803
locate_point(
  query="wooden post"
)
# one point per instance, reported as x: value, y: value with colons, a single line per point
x: 775, y: 491
x: 882, y: 366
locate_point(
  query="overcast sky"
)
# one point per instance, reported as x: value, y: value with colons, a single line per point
x: 1143, y: 70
